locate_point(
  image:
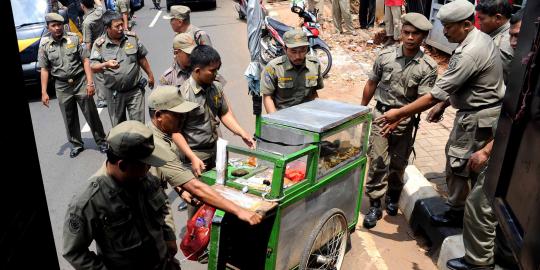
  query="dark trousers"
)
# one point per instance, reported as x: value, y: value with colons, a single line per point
x: 367, y: 13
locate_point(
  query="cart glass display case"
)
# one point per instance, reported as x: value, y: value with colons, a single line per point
x: 304, y: 177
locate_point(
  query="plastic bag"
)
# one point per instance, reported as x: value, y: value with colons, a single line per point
x: 197, y: 234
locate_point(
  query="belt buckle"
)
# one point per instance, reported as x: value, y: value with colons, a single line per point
x: 70, y: 81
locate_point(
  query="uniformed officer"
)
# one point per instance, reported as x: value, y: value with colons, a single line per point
x: 494, y: 16
x: 473, y: 84
x: 341, y: 9
x: 293, y: 78
x: 183, y: 45
x: 400, y: 75
x: 92, y: 28
x: 199, y: 132
x: 122, y: 208
x: 180, y: 23
x: 122, y: 6
x: 120, y: 56
x: 61, y: 55
x: 167, y: 110
x: 479, y: 222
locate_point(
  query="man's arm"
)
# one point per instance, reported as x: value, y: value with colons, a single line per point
x: 393, y: 116
x: 232, y: 124
x: 90, y: 86
x: 77, y: 236
x: 267, y: 87
x: 44, y: 82
x: 211, y: 197
x: 369, y: 91
x: 146, y: 67
x: 480, y: 158
x: 269, y: 105
x: 125, y: 18
x: 197, y: 165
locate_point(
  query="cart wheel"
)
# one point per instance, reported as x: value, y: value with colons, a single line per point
x: 326, y: 244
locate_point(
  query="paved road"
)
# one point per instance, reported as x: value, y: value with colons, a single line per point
x: 64, y: 176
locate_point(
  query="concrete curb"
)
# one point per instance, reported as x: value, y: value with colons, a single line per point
x: 416, y: 187
x: 452, y: 247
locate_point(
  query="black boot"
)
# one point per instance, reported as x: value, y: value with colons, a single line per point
x: 461, y: 264
x: 451, y: 217
x: 392, y: 205
x: 374, y: 214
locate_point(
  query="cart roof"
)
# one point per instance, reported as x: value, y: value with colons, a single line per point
x: 318, y: 115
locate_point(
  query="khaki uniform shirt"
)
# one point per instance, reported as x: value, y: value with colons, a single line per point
x: 128, y: 54
x: 128, y: 227
x: 200, y: 36
x: 63, y: 58
x: 93, y: 26
x: 400, y: 83
x: 200, y: 128
x: 501, y: 38
x: 289, y: 85
x: 122, y: 6
x: 474, y: 77
x: 174, y: 172
x: 174, y: 75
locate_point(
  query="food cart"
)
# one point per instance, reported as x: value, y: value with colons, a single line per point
x: 305, y: 178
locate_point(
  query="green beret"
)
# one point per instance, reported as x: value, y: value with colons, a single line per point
x: 417, y: 20
x: 455, y: 11
x: 54, y: 17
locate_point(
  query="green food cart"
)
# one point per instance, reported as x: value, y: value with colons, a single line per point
x: 305, y: 178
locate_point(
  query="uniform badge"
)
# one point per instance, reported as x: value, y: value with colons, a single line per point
x: 454, y: 60
x: 75, y: 223
x: 95, y: 54
x: 129, y: 46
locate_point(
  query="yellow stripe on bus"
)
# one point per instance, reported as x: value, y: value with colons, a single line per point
x: 25, y: 43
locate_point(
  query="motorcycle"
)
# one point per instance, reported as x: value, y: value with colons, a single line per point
x: 272, y: 39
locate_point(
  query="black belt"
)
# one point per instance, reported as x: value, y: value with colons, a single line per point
x: 383, y: 107
x: 70, y: 80
x: 483, y: 107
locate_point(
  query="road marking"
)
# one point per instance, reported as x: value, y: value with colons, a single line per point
x: 155, y: 19
x: 369, y: 245
x: 86, y: 127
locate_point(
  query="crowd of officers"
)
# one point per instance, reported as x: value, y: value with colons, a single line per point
x: 123, y: 207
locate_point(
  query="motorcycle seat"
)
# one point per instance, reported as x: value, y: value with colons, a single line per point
x: 280, y: 27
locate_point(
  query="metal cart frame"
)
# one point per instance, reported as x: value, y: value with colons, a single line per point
x: 275, y: 243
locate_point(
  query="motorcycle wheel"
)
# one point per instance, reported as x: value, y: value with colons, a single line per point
x: 325, y: 59
x: 265, y: 55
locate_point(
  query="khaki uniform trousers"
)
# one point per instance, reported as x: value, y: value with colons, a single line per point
x: 388, y: 157
x: 100, y: 87
x: 392, y: 21
x: 341, y: 9
x: 479, y: 225
x: 132, y: 101
x: 68, y: 100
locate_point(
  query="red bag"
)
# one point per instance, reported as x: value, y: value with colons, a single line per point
x: 197, y: 234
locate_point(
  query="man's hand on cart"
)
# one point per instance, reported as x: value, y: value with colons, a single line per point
x: 248, y: 216
x: 248, y: 140
x: 197, y: 165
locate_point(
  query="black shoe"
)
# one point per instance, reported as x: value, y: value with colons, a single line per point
x: 75, y: 151
x: 451, y: 217
x: 157, y: 6
x: 374, y: 214
x: 392, y: 200
x: 461, y: 264
x: 103, y: 148
x: 182, y: 206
